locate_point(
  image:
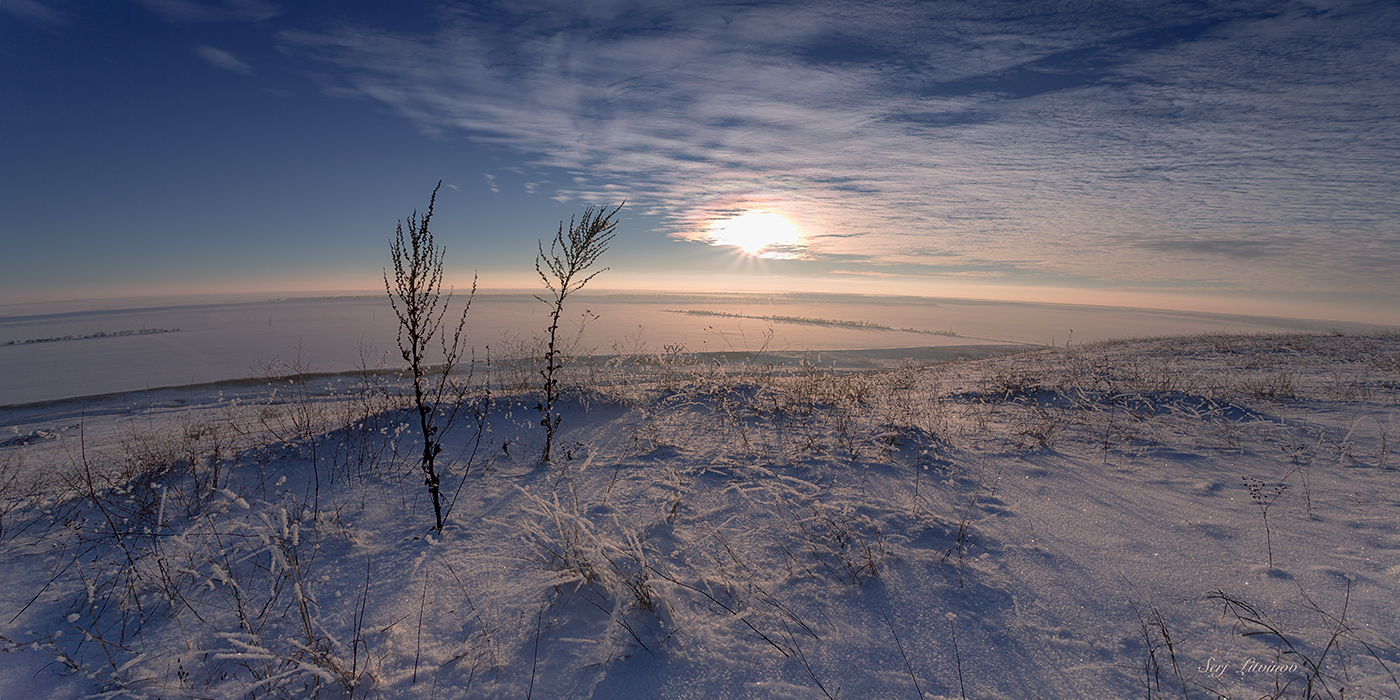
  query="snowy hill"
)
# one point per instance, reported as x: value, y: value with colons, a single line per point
x: 1201, y: 517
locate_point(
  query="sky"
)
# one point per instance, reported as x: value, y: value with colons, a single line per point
x: 1236, y: 156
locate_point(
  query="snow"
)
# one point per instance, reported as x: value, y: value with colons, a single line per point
x: 1059, y: 522
x: 238, y: 339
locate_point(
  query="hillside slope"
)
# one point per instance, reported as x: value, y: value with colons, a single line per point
x: 1181, y: 517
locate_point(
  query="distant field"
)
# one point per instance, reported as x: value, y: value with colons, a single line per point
x: 236, y: 340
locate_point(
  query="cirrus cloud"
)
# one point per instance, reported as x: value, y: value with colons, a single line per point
x: 1130, y: 144
x: 223, y: 60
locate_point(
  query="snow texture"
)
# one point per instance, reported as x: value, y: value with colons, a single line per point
x: 1200, y: 517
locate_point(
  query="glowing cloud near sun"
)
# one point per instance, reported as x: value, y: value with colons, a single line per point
x: 763, y: 234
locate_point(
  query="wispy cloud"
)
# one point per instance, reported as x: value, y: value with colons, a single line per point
x: 1245, y: 250
x: 33, y: 11
x: 212, y: 11
x: 223, y: 59
x: 1108, y: 142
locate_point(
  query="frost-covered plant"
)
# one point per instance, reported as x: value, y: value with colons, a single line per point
x: 1311, y: 662
x: 844, y: 542
x: 301, y: 655
x: 609, y: 558
x: 1161, y: 651
x: 421, y: 307
x: 563, y: 271
x: 1264, y: 496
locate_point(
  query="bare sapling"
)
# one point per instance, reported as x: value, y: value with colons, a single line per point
x: 564, y: 270
x: 421, y: 307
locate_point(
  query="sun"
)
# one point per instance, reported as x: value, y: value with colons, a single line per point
x: 758, y: 233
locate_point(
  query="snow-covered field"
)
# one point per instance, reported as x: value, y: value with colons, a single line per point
x: 1196, y: 516
x: 104, y: 350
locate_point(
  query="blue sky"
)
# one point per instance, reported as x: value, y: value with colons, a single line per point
x: 1236, y: 155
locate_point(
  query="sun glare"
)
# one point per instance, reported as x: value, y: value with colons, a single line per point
x: 759, y: 233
